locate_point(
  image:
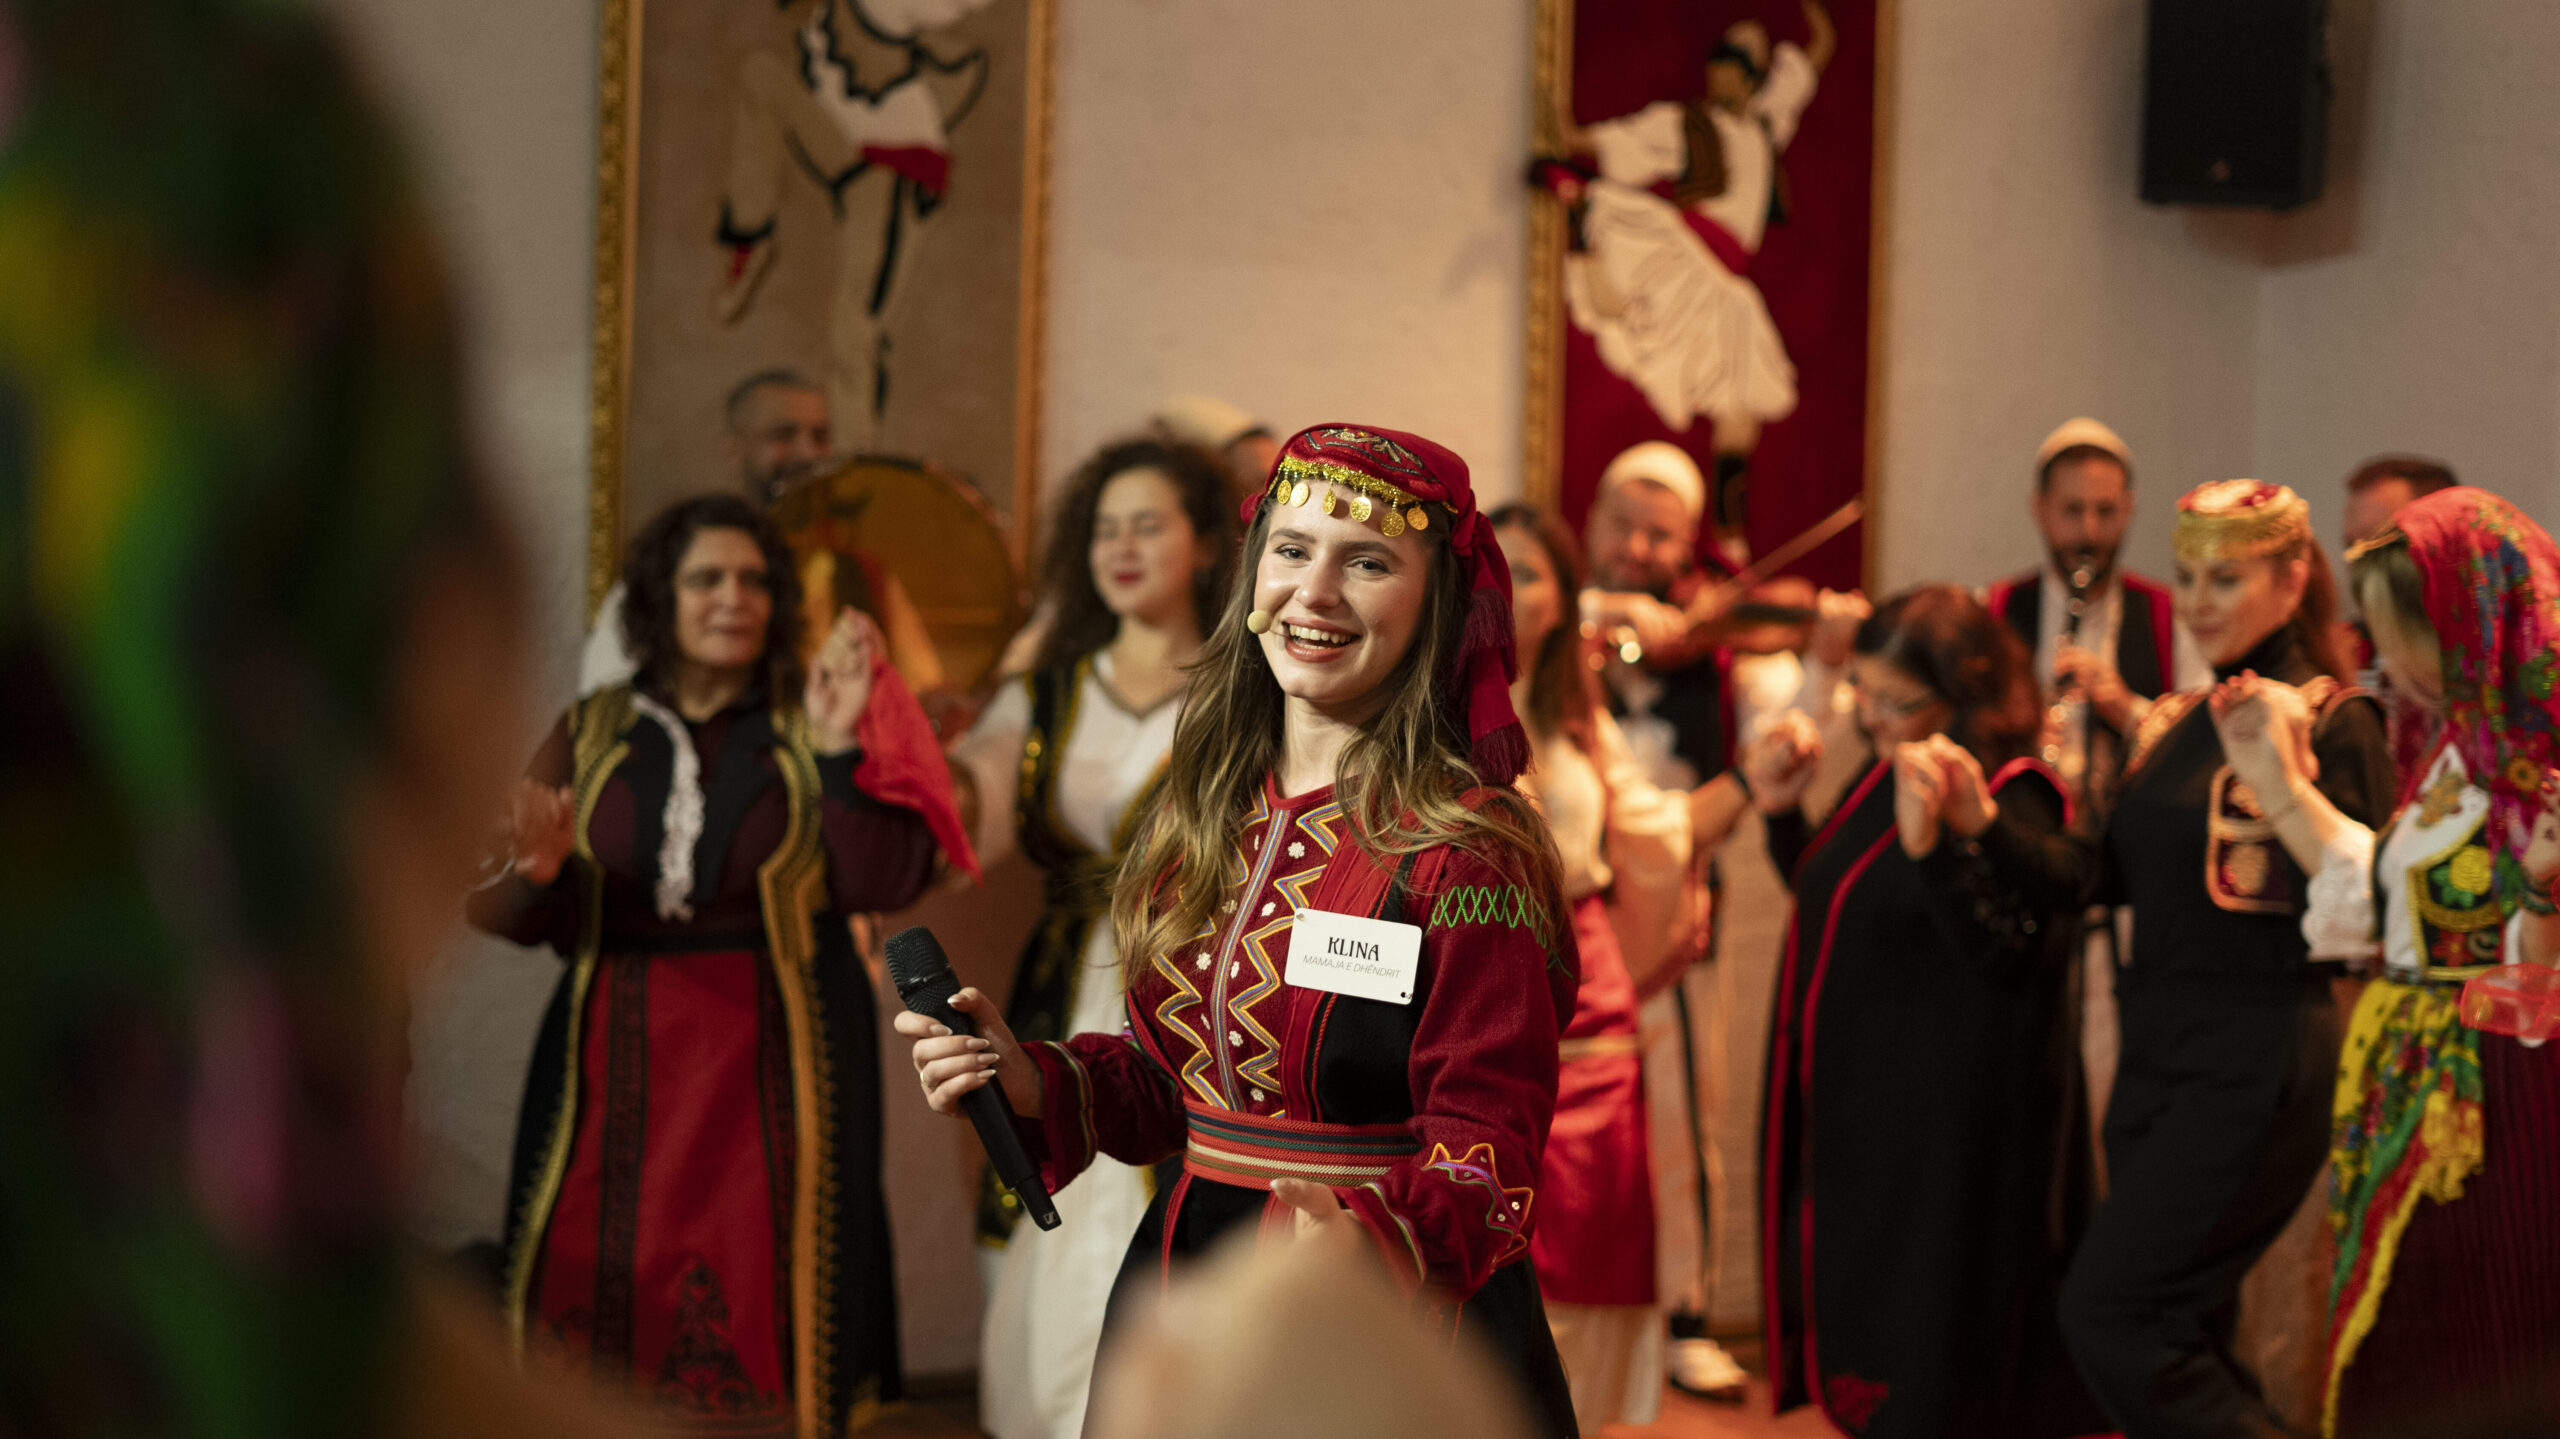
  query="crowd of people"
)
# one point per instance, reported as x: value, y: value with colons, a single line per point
x: 1282, y: 701
x: 1308, y: 684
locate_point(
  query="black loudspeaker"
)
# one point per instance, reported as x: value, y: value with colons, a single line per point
x: 2235, y: 102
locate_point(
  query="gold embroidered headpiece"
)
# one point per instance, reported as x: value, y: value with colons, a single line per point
x: 2239, y: 520
x: 1346, y: 459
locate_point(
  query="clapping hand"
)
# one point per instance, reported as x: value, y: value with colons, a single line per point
x: 542, y: 823
x: 2266, y: 734
x: 1780, y: 763
x: 1919, y: 796
x: 1967, y: 807
x: 840, y: 681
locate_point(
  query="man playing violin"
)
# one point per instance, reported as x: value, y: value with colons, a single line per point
x: 1690, y: 674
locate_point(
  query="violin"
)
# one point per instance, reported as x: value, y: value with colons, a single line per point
x: 1755, y: 612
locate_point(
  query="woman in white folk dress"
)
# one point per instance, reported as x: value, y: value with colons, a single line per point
x: 1140, y: 548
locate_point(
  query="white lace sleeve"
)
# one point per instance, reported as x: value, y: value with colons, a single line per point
x: 2340, y: 922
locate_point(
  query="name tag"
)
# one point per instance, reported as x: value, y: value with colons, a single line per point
x: 1345, y: 954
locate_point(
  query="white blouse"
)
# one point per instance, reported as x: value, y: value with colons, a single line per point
x: 2340, y: 921
x: 1615, y: 831
x: 1112, y: 752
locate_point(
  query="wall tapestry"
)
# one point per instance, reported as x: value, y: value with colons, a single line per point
x: 1703, y: 255
x: 849, y: 189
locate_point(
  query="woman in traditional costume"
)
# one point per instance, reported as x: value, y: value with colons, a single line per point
x: 2445, y: 1137
x: 696, y: 1213
x: 1625, y: 847
x: 1139, y: 558
x: 1922, y: 1159
x: 1347, y: 957
x: 2219, y: 1120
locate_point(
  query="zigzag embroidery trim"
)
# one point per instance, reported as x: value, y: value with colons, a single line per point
x: 1505, y: 905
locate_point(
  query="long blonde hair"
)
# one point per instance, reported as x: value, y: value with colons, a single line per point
x: 1400, y: 780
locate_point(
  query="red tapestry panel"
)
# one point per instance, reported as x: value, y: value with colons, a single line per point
x: 1716, y: 289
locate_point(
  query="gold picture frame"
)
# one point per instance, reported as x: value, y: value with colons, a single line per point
x: 616, y: 321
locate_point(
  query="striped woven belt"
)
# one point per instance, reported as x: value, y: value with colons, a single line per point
x: 1598, y: 1046
x: 1251, y: 1150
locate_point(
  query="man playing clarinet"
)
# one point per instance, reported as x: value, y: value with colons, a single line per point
x: 2104, y: 639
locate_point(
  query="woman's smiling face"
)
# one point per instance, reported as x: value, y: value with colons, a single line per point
x: 1345, y: 604
x: 2229, y: 605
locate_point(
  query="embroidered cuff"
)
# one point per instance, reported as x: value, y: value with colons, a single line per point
x: 1390, y: 1234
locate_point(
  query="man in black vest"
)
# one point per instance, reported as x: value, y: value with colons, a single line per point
x: 2105, y: 640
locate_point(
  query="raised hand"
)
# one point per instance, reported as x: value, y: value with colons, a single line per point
x: 1780, y: 763
x: 1837, y: 615
x: 542, y: 824
x: 1919, y: 793
x: 840, y: 680
x: 2266, y: 735
x: 1968, y: 807
x: 949, y: 1065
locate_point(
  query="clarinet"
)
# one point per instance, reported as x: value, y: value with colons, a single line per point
x: 2083, y: 577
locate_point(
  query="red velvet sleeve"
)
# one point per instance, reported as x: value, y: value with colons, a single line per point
x: 879, y: 853
x: 1100, y: 1094
x: 1483, y: 1073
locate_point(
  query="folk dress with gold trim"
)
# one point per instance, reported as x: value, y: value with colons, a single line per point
x: 695, y: 1209
x: 2218, y: 1123
x: 1428, y: 1119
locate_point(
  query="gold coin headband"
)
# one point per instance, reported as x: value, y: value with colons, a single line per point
x: 2239, y: 520
x: 1397, y: 510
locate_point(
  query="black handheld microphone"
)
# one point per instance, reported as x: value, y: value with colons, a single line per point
x: 924, y: 979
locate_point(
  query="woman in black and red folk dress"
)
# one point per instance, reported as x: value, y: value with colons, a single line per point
x: 708, y: 1072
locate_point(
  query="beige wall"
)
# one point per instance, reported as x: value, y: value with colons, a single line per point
x: 2025, y: 283
x: 2437, y: 328
x: 1312, y: 209
x: 1315, y: 210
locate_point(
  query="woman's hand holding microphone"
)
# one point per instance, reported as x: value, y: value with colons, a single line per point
x: 950, y: 1065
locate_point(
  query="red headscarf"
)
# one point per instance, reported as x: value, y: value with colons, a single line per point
x: 2491, y: 582
x: 1407, y: 472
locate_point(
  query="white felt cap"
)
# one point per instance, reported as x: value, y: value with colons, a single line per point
x: 2083, y: 432
x: 1665, y: 464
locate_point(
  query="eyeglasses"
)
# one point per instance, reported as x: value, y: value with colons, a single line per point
x: 1897, y: 706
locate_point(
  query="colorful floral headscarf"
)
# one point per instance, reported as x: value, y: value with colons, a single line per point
x: 2491, y: 581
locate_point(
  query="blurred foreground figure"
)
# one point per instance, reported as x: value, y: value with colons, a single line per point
x: 1291, y: 1340
x: 251, y: 611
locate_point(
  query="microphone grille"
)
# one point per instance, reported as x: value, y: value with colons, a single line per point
x: 915, y: 958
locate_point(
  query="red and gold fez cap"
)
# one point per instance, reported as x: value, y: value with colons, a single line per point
x: 2239, y: 520
x: 1403, y: 482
